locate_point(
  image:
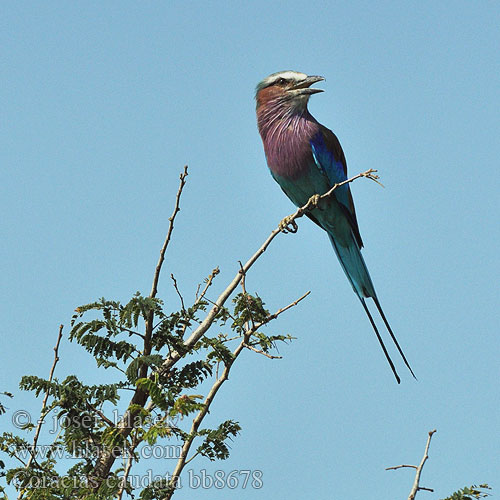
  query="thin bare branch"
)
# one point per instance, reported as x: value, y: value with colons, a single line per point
x: 243, y: 276
x: 208, y: 284
x: 101, y: 414
x: 44, y: 403
x: 192, y: 458
x: 416, y: 484
x: 401, y: 466
x: 225, y: 338
x: 229, y: 315
x: 282, y: 310
x: 132, y: 332
x: 183, y: 460
x: 182, y: 177
x: 207, y: 322
x: 178, y: 291
x: 244, y: 290
x: 127, y: 468
x: 258, y: 351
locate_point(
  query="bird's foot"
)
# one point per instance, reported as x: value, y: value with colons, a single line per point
x: 314, y: 201
x: 288, y: 225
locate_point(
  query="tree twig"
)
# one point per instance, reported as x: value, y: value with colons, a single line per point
x: 125, y: 425
x: 244, y: 291
x: 416, y: 484
x: 258, y: 351
x: 208, y: 284
x: 101, y: 414
x: 127, y: 468
x: 282, y: 310
x: 182, y: 177
x: 44, y: 403
x: 178, y: 291
x: 401, y: 466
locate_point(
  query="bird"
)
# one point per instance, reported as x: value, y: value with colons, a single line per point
x: 306, y: 159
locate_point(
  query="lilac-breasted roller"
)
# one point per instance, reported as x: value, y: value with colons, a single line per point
x: 305, y: 158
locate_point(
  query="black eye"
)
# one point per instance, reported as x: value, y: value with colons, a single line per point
x: 282, y: 81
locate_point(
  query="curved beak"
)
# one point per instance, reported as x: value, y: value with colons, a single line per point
x: 302, y: 88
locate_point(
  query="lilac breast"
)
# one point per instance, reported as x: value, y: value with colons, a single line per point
x: 287, y: 143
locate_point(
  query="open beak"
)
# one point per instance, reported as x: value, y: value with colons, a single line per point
x: 302, y: 88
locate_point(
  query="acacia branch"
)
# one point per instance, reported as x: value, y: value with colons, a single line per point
x: 197, y: 422
x: 416, y: 484
x: 101, y: 414
x: 125, y: 425
x: 209, y: 319
x: 270, y: 318
x: 402, y: 466
x: 183, y: 460
x: 140, y: 397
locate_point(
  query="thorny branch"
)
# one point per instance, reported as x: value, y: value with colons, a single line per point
x: 125, y: 425
x: 416, y: 484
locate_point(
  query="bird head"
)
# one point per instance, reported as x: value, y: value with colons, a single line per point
x: 287, y: 88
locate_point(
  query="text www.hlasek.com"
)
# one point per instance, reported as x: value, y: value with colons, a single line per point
x: 85, y: 450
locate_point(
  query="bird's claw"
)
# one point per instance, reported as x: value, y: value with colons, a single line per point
x: 288, y: 225
x: 314, y: 200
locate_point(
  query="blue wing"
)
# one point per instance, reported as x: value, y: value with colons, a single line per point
x: 329, y: 158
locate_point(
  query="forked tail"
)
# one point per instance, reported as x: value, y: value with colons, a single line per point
x: 354, y: 266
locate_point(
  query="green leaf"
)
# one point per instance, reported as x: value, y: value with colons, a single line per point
x: 152, y: 361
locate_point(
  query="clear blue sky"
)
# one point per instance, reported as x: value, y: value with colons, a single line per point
x: 102, y: 105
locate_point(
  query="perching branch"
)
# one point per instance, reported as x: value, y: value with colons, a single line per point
x: 416, y: 484
x: 197, y: 422
x: 288, y: 224
x: 140, y: 397
x: 209, y: 319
